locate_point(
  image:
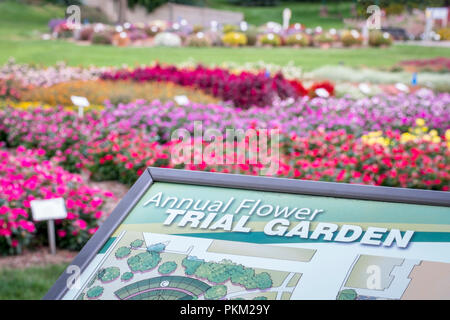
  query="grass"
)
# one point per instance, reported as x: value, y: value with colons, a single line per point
x: 28, y: 284
x: 20, y: 24
x: 50, y: 52
x: 306, y: 13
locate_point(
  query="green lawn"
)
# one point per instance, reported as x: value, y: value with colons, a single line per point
x: 28, y: 284
x: 306, y: 13
x: 50, y: 52
x: 19, y: 38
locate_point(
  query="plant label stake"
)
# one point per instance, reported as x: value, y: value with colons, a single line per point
x: 49, y: 210
x: 81, y: 103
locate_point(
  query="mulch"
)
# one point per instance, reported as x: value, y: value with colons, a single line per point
x: 36, y: 258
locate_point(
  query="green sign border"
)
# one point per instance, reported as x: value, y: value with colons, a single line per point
x: 280, y: 185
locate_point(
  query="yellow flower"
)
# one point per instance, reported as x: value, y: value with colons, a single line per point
x: 420, y: 122
x: 436, y: 139
x: 447, y: 135
x: 406, y: 137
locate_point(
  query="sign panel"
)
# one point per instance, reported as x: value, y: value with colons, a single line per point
x: 195, y: 235
x: 49, y: 209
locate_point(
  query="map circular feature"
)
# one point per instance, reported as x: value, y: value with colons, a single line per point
x: 164, y: 283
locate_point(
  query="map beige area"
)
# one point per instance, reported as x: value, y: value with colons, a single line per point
x: 158, y: 267
x: 377, y: 277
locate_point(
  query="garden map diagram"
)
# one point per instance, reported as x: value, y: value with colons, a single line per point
x: 138, y: 265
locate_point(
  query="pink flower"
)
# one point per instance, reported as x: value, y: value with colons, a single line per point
x: 4, y: 210
x: 21, y: 149
x: 81, y: 224
x: 61, y: 233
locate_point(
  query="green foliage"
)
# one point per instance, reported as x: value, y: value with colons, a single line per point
x: 94, y: 292
x: 298, y: 39
x: 108, y: 274
x: 377, y: 39
x: 347, y: 294
x: 198, y: 40
x: 219, y: 272
x: 127, y: 276
x: 271, y: 39
x: 137, y: 243
x: 144, y: 261
x: 254, y: 3
x: 167, y: 267
x: 151, y: 5
x: 229, y: 28
x: 216, y: 292
x: 122, y: 252
x: 103, y: 37
x: 351, y: 38
x: 323, y: 38
x: 191, y: 264
x: 252, y: 35
x: 260, y: 298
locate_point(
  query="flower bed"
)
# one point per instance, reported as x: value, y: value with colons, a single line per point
x: 164, y: 33
x: 440, y: 64
x: 97, y: 92
x: 244, y: 89
x: 120, y: 141
x: 26, y: 176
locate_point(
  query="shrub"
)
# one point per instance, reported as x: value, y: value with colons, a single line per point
x: 137, y: 243
x: 230, y: 28
x: 216, y: 292
x: 271, y: 39
x: 197, y: 28
x: 234, y: 39
x: 167, y: 39
x: 94, y: 292
x: 109, y: 274
x: 127, y: 276
x: 444, y: 34
x: 323, y: 38
x: 377, y: 39
x: 86, y: 33
x: 152, y: 30
x: 102, y: 37
x: 351, y: 38
x: 122, y: 252
x: 297, y: 39
x: 252, y: 35
x: 137, y: 34
x: 198, y: 39
x: 144, y: 261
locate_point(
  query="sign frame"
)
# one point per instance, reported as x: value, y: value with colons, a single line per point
x: 237, y: 181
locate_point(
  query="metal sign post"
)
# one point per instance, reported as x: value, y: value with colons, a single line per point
x: 51, y: 236
x: 50, y: 210
x: 81, y: 103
